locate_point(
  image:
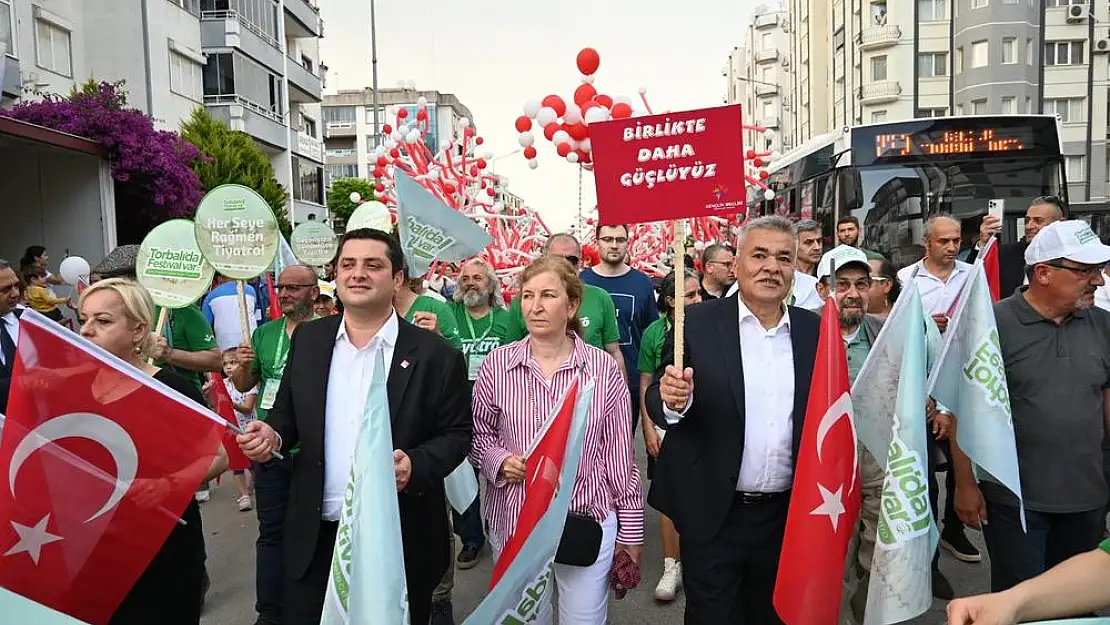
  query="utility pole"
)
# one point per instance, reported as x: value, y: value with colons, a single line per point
x: 374, y: 70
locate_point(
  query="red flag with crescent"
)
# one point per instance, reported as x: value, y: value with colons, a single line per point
x: 98, y: 461
x: 990, y: 267
x: 825, y: 501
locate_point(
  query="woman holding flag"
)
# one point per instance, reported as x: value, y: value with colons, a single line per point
x: 517, y: 387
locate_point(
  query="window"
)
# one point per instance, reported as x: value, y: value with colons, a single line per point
x: 348, y: 170
x: 838, y: 38
x: 978, y: 4
x: 192, y: 6
x: 1029, y: 51
x: 878, y: 117
x: 1009, y: 1
x: 878, y: 68
x: 1009, y: 50
x: 185, y: 77
x: 6, y: 29
x: 1009, y: 105
x: 1064, y: 3
x: 308, y: 181
x: 262, y: 15
x: 339, y: 115
x: 959, y: 109
x: 310, y: 127
x: 1069, y: 109
x: 1063, y: 53
x: 932, y: 10
x: 765, y: 42
x: 932, y: 112
x: 235, y: 75
x: 980, y: 54
x: 978, y: 107
x: 878, y: 13
x: 52, y: 48
x: 1028, y: 105
x: 932, y: 64
x: 1076, y: 168
x: 768, y: 110
x: 959, y: 60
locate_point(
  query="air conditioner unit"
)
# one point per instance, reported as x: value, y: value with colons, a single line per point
x: 1078, y: 13
x: 1101, y: 46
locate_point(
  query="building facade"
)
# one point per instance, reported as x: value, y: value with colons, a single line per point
x: 349, y: 124
x: 254, y: 64
x: 889, y: 60
x: 758, y: 78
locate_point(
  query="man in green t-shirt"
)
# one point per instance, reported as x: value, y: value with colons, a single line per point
x: 187, y: 344
x: 597, y: 312
x: 479, y: 313
x: 425, y: 311
x: 262, y: 362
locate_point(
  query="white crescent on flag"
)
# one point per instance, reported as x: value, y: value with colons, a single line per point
x: 839, y: 409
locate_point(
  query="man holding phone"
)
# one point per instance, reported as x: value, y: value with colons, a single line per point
x: 1011, y: 256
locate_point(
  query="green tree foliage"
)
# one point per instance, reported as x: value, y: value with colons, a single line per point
x: 339, y: 197
x: 234, y: 158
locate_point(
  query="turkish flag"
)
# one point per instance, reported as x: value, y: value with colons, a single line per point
x: 99, y: 461
x: 221, y: 405
x: 990, y: 266
x: 275, y: 305
x: 825, y: 502
x: 542, y: 468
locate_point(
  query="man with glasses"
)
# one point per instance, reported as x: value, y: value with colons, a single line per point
x: 716, y: 271
x: 1011, y: 256
x: 1053, y: 344
x: 263, y: 362
x: 597, y: 312
x: 633, y: 299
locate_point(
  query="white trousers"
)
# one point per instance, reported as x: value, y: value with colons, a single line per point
x: 583, y: 591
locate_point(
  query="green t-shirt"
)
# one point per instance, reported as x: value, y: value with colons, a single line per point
x: 271, y: 348
x: 597, y: 313
x: 479, y: 337
x: 445, y: 317
x: 651, y: 345
x: 187, y: 330
x: 1105, y: 546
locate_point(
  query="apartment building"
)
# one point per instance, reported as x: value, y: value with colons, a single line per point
x: 759, y: 79
x: 349, y: 130
x: 252, y: 63
x: 889, y: 60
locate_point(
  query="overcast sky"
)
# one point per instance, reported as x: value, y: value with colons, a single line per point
x: 497, y: 54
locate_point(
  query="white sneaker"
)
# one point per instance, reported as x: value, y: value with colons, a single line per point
x: 244, y: 503
x: 203, y: 496
x: 670, y: 582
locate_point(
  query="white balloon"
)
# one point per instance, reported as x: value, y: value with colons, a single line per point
x: 573, y: 114
x: 560, y: 136
x: 776, y: 155
x: 464, y: 122
x: 589, y: 80
x: 397, y: 135
x: 389, y: 145
x: 422, y: 102
x: 533, y: 163
x: 768, y: 194
x: 642, y: 90
x: 546, y: 115
x: 414, y: 136
x: 354, y: 197
x: 572, y: 157
x: 403, y: 129
x: 769, y: 133
x: 532, y: 108
x: 622, y: 99
x: 488, y: 156
x: 585, y: 145
x: 573, y: 145
x: 74, y: 269
x: 597, y: 114
x: 526, y: 139
x: 433, y: 174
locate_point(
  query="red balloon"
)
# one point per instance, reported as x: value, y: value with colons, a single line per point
x: 382, y: 161
x: 584, y: 93
x: 379, y: 172
x: 605, y: 101
x: 523, y: 124
x: 387, y: 129
x: 750, y: 154
x: 481, y: 163
x: 474, y: 171
x: 588, y: 60
x: 763, y: 175
x: 479, y: 141
x: 491, y: 192
x: 550, y: 130
x: 583, y: 157
x: 379, y: 187
x: 621, y: 110
x: 402, y: 113
x: 395, y: 153
x: 578, y: 132
x: 468, y: 132
x: 448, y: 188
x: 422, y: 114
x: 530, y: 152
x: 757, y: 162
x: 563, y: 149
x: 556, y: 103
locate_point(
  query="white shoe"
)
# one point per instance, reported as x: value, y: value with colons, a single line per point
x: 203, y: 496
x: 244, y: 503
x: 671, y: 581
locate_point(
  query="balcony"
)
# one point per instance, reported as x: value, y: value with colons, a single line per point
x: 875, y: 37
x: 340, y: 129
x: 228, y: 29
x: 10, y: 73
x: 305, y: 20
x: 306, y: 146
x: 879, y: 92
x: 305, y: 85
x: 767, y: 56
x: 241, y: 114
x: 770, y: 122
x: 765, y: 89
x: 766, y: 20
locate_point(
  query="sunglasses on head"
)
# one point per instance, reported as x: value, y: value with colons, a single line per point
x: 573, y: 260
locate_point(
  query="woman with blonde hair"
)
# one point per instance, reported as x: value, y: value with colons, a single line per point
x: 116, y: 314
x: 518, y: 387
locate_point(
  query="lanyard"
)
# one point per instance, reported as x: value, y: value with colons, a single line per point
x: 281, y: 352
x: 470, y: 325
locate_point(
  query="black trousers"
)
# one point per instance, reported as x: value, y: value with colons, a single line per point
x: 731, y: 578
x: 1018, y: 555
x: 304, y: 597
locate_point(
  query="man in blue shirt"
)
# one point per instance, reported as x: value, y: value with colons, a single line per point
x: 633, y: 296
x: 221, y: 308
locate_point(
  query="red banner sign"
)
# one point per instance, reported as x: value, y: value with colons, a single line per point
x: 672, y: 166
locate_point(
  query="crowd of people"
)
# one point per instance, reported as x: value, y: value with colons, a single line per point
x: 472, y: 377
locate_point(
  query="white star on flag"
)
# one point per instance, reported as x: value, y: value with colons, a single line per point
x: 832, y: 505
x: 32, y: 539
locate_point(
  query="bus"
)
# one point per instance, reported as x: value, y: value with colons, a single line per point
x: 893, y: 176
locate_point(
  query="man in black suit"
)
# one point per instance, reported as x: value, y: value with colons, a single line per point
x: 320, y: 404
x: 734, y: 421
x: 9, y: 328
x: 1011, y: 256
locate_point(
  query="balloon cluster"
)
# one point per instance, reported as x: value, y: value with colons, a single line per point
x: 458, y: 176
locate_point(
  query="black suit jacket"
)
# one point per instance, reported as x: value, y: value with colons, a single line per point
x: 1011, y: 266
x: 699, y: 464
x: 429, y: 406
x: 6, y: 373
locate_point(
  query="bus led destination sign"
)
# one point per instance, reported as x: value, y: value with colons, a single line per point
x: 944, y: 142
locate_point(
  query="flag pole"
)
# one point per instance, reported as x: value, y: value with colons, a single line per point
x: 679, y: 289
x: 244, y: 315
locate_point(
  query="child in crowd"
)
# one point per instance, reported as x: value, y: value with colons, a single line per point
x: 39, y: 297
x: 244, y: 404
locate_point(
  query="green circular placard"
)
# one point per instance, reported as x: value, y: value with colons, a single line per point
x: 314, y: 243
x: 171, y: 266
x: 372, y: 214
x: 237, y: 231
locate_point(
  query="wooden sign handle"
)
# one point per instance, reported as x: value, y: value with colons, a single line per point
x: 244, y: 314
x: 679, y: 290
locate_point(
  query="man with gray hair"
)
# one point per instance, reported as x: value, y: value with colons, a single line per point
x: 734, y: 417
x: 9, y: 327
x: 809, y: 246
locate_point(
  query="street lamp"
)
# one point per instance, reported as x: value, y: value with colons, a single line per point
x: 493, y: 167
x: 374, y: 70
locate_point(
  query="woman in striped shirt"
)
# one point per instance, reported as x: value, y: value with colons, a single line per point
x: 518, y: 386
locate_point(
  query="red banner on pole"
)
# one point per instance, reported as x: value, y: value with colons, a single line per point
x: 671, y: 166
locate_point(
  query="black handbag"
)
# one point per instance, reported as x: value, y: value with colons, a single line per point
x: 581, y: 541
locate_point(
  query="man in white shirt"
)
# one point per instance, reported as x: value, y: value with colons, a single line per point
x: 939, y: 276
x: 333, y: 359
x: 9, y: 328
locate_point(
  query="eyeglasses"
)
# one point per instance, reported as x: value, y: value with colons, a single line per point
x: 726, y: 263
x: 292, y: 287
x: 611, y: 240
x: 862, y: 284
x: 573, y: 260
x: 1083, y: 272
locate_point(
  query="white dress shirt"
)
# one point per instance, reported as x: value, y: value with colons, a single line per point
x: 938, y: 297
x: 11, y: 324
x: 766, y: 465
x: 348, y: 385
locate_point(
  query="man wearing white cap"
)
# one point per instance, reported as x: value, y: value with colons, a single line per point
x: 1054, y: 345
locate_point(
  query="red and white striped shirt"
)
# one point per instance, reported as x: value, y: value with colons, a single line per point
x: 505, y: 424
